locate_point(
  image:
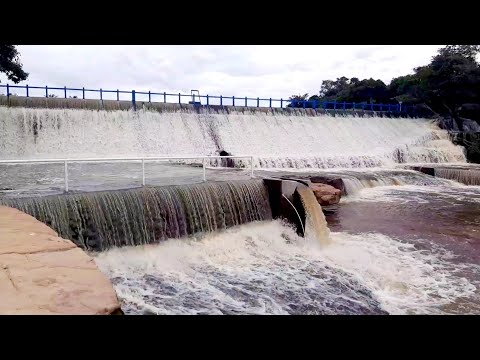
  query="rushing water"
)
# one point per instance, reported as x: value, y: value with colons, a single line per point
x: 410, y: 248
x: 265, y: 268
x: 399, y: 242
x: 99, y: 220
x: 277, y: 140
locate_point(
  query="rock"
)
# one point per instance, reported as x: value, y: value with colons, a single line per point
x: 471, y: 142
x: 41, y: 273
x: 326, y: 194
x: 424, y: 169
x: 229, y: 163
x: 337, y: 183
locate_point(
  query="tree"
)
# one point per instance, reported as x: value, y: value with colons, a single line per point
x: 466, y: 51
x: 297, y: 100
x: 451, y: 80
x: 10, y: 64
x: 353, y: 90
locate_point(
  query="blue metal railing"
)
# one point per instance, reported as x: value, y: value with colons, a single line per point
x: 213, y: 100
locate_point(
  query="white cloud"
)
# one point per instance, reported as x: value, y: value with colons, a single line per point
x: 260, y: 70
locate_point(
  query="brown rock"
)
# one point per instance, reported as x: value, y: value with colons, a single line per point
x: 337, y: 183
x: 41, y: 273
x: 326, y: 194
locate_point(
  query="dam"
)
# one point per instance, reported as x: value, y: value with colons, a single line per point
x: 182, y: 245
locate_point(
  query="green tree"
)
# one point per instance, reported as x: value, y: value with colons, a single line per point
x: 353, y: 90
x: 294, y: 98
x: 10, y: 64
x: 466, y: 51
x: 451, y: 80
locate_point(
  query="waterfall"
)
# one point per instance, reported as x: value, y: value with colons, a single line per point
x: 464, y: 176
x: 276, y: 139
x: 100, y: 220
x: 316, y: 225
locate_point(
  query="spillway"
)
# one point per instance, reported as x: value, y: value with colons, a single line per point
x: 277, y: 140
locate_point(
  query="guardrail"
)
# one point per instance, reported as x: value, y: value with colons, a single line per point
x: 204, y: 100
x: 133, y: 159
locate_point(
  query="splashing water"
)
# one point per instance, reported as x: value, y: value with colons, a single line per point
x: 278, y: 140
x: 265, y: 268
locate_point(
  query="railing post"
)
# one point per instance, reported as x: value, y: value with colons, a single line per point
x: 207, y: 100
x: 164, y: 97
x: 270, y: 102
x: 143, y: 172
x: 179, y: 98
x: 66, y: 175
x: 304, y: 104
x: 246, y: 102
x: 26, y: 87
x: 233, y: 100
x: 118, y: 95
x: 251, y: 166
x: 83, y: 93
x: 281, y: 103
x: 221, y: 100
x: 8, y: 90
x: 134, y: 103
x: 149, y: 97
x: 65, y: 90
x: 353, y: 106
x: 46, y: 91
x: 101, y: 94
x: 258, y: 102
x: 204, y: 170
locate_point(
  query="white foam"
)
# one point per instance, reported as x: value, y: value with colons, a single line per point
x: 413, y: 193
x: 276, y: 140
x: 265, y: 268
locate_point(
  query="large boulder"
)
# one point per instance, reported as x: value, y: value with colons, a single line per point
x: 326, y: 194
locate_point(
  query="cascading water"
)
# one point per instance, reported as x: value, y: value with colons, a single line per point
x: 383, y: 255
x: 355, y: 181
x: 101, y: 220
x: 316, y: 226
x: 465, y: 176
x: 277, y: 140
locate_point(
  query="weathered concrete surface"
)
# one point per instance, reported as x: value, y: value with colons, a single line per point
x: 41, y: 273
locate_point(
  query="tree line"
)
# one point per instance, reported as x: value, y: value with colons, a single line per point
x: 448, y: 86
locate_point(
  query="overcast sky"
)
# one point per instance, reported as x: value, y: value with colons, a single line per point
x: 260, y: 70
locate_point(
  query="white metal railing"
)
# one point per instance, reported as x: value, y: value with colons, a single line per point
x: 142, y: 159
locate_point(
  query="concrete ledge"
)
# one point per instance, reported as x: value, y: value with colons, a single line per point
x: 41, y: 273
